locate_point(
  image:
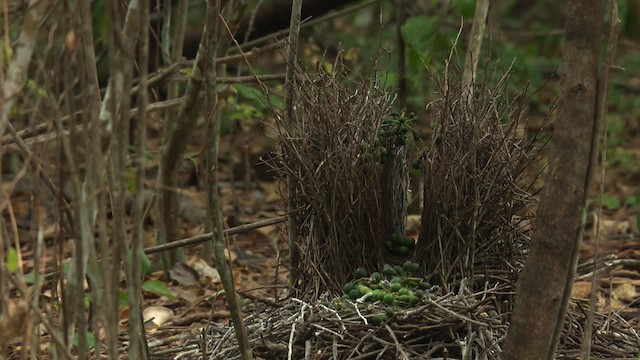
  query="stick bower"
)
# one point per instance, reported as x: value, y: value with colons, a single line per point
x: 478, y: 174
x: 347, y: 153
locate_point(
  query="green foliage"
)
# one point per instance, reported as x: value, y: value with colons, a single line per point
x: 31, y: 278
x: 158, y: 288
x: 91, y: 340
x: 610, y: 202
x: 12, y: 260
x: 145, y: 263
x: 419, y: 33
x: 618, y: 155
x: 257, y: 98
x: 467, y: 7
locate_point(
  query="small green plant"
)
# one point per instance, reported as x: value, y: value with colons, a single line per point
x: 152, y: 286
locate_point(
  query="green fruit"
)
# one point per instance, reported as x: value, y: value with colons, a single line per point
x: 363, y: 290
x: 389, y: 312
x: 413, y: 300
x: 389, y: 245
x: 348, y: 287
x: 395, y: 287
x: 419, y: 293
x: 424, y: 285
x: 389, y: 299
x: 407, y: 266
x: 378, y: 295
x: 361, y: 272
x: 402, y: 250
x: 354, y: 294
x: 404, y: 291
x: 383, y: 151
x: 389, y: 270
x: 411, y: 267
x: 396, y: 239
x: 405, y: 298
x: 398, y: 269
x: 408, y: 242
x: 376, y: 276
x: 377, y: 319
x: 395, y: 279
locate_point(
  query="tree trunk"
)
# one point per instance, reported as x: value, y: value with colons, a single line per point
x: 545, y: 284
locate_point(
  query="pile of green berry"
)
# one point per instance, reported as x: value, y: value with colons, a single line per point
x: 400, y: 245
x: 396, y: 285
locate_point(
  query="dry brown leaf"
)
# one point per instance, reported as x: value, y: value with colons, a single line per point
x: 184, y: 275
x: 581, y: 290
x: 13, y: 320
x: 625, y: 292
x: 615, y: 305
x: 206, y: 271
x: 614, y: 227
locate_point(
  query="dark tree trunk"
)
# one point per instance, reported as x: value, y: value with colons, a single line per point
x: 545, y: 283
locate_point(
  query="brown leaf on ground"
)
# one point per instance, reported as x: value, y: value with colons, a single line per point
x: 184, y: 274
x: 625, y: 292
x: 581, y: 290
x: 13, y: 320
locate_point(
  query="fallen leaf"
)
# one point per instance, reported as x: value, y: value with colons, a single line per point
x: 206, y: 271
x: 625, y: 292
x: 13, y: 320
x: 581, y: 290
x: 184, y: 274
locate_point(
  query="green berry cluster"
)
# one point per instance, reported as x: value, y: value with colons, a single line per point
x: 395, y: 286
x: 400, y: 245
x: 392, y: 133
x: 396, y: 126
x: 377, y: 152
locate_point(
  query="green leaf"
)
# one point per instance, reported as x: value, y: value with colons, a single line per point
x: 123, y: 299
x: 418, y: 32
x: 145, y: 263
x: 157, y: 287
x: 12, y: 260
x: 94, y: 272
x: 610, y: 202
x: 467, y: 7
x: 66, y: 268
x: 258, y: 97
x: 91, y: 340
x: 30, y: 278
